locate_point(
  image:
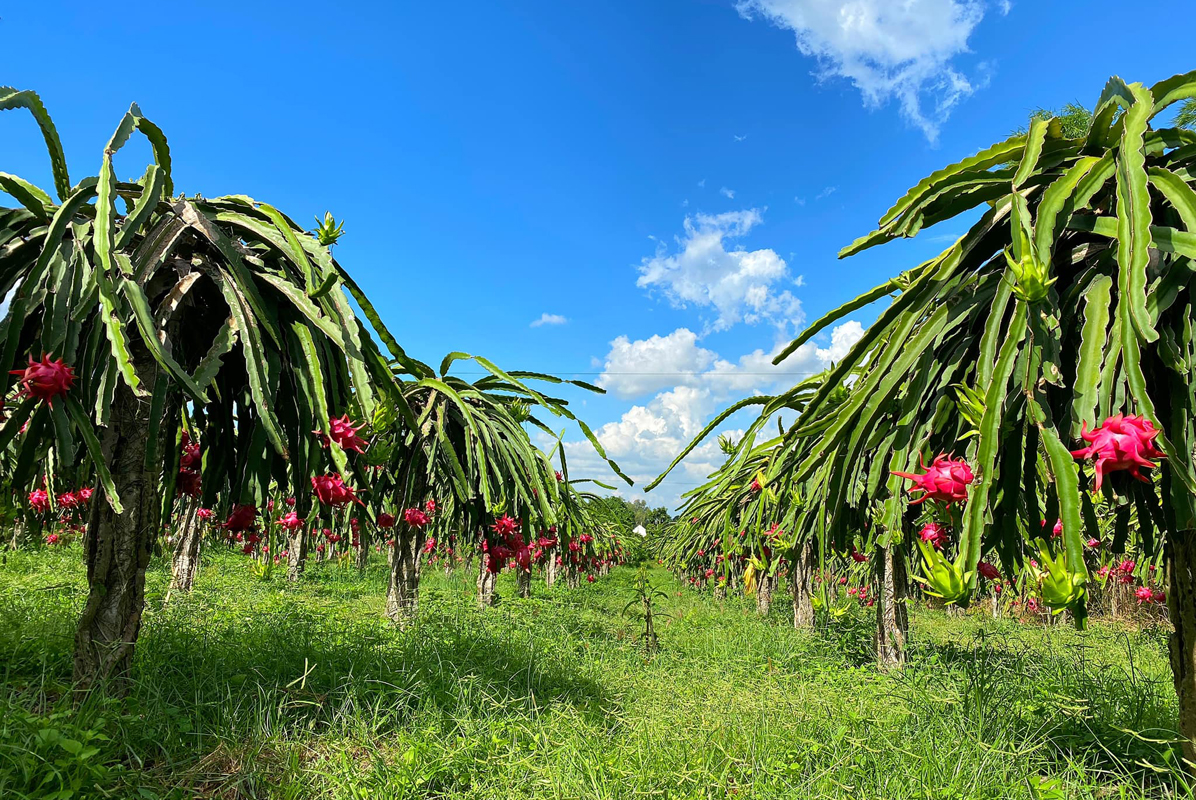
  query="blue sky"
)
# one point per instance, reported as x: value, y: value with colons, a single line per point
x: 664, y: 184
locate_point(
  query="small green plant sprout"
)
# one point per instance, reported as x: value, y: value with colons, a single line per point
x: 262, y: 570
x: 727, y: 445
x: 645, y: 594
x: 328, y: 230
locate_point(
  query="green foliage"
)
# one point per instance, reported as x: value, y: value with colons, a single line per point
x: 1068, y: 301
x: 1074, y: 120
x: 236, y: 317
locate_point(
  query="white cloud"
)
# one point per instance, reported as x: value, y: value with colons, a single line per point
x: 633, y: 369
x: 739, y: 284
x: 549, y: 319
x: 827, y: 192
x: 739, y: 138
x: 645, y: 440
x: 1006, y: 6
x: 648, y: 436
x: 727, y: 193
x: 637, y: 368
x: 702, y: 183
x: 887, y: 49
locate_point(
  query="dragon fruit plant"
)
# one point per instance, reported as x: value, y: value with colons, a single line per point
x: 139, y: 313
x: 1066, y: 310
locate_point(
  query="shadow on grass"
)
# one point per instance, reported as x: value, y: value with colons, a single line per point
x: 1085, y: 699
x: 221, y: 683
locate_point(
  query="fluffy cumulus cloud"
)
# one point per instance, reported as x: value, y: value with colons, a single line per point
x: 549, y: 319
x: 709, y: 270
x: 889, y: 49
x: 646, y: 437
x: 634, y: 369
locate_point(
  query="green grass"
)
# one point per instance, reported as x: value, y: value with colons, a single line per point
x: 256, y: 689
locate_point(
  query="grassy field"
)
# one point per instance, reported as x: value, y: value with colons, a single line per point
x: 250, y: 688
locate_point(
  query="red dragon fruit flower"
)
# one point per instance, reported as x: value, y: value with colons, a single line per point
x: 39, y: 500
x: 415, y: 518
x: 755, y: 487
x: 332, y: 491
x: 858, y: 557
x: 290, y: 521
x: 933, y: 534
x: 242, y: 518
x: 85, y: 494
x: 52, y: 539
x: 505, y: 525
x: 1159, y: 596
x: 430, y: 507
x: 945, y: 480
x: 1144, y: 594
x: 590, y: 579
x: 386, y: 520
x: 988, y: 571
x: 205, y: 514
x: 45, y: 379
x: 1120, y: 443
x: 1093, y: 544
x: 429, y: 545
x: 68, y: 500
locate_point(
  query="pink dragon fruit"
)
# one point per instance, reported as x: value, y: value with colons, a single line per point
x: 945, y: 480
x: 988, y: 571
x: 45, y: 379
x: 1121, y: 442
x: 342, y: 431
x: 331, y: 490
x: 933, y: 534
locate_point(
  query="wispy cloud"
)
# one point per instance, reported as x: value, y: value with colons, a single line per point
x: 727, y: 193
x: 702, y: 183
x: 739, y: 138
x: 549, y: 319
x: 889, y: 50
x: 827, y: 192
